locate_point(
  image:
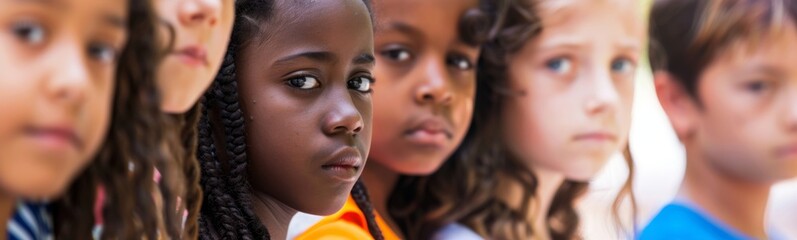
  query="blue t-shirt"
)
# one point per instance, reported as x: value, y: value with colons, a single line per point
x: 682, y: 221
x: 30, y: 221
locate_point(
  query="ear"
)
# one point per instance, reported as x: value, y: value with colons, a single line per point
x: 680, y: 107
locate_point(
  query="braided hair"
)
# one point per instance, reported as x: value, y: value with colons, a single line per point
x: 227, y: 211
x: 360, y: 196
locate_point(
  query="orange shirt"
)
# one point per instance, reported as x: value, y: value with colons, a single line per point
x: 348, y: 223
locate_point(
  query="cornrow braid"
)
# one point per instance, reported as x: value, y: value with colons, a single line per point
x: 233, y: 121
x: 219, y: 213
x: 232, y: 207
x: 227, y: 210
x: 360, y: 195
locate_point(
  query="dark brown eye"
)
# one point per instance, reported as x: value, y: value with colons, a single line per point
x: 304, y: 82
x: 362, y: 84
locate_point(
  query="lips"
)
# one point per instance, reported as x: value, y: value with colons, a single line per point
x: 788, y: 151
x: 57, y: 137
x: 430, y: 132
x: 193, y: 55
x: 596, y: 136
x: 344, y: 164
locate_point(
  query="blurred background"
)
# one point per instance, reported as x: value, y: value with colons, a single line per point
x: 659, y: 161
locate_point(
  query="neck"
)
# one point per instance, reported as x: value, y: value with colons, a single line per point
x: 275, y: 215
x: 548, y: 183
x: 739, y: 203
x: 380, y: 181
x: 7, y: 207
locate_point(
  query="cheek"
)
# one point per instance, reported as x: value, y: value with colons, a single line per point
x: 462, y: 109
x: 532, y: 130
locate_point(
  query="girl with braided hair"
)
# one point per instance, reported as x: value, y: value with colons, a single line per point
x: 556, y: 84
x: 427, y: 54
x: 81, y: 69
x: 286, y: 124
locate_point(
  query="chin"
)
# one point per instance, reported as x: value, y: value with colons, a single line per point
x: 329, y: 207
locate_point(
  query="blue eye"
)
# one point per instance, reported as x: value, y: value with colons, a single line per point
x: 559, y: 65
x: 102, y: 52
x: 622, y: 66
x: 304, y: 82
x: 29, y: 32
x: 361, y: 84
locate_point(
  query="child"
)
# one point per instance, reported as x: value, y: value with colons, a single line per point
x: 553, y: 104
x: 427, y: 53
x: 199, y: 31
x: 724, y: 74
x: 286, y: 125
x: 67, y: 64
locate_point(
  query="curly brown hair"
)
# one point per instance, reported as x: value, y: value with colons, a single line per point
x: 464, y: 189
x: 133, y: 149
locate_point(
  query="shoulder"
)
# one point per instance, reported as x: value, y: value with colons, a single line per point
x: 456, y: 231
x: 348, y: 223
x: 681, y: 221
x: 30, y: 221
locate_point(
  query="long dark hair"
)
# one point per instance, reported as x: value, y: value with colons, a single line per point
x: 227, y: 211
x: 133, y: 149
x: 464, y: 189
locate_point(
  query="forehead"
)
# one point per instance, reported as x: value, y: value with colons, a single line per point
x: 434, y: 18
x: 596, y: 15
x: 115, y: 11
x: 776, y: 49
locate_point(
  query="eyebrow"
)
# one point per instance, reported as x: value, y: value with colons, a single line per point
x: 322, y: 56
x: 406, y: 29
x: 319, y: 56
x: 365, y: 58
x: 115, y: 21
x: 49, y: 3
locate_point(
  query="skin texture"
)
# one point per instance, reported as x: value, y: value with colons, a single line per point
x: 295, y: 134
x: 572, y: 89
x: 424, y: 100
x: 202, y: 25
x: 58, y: 63
x: 740, y: 131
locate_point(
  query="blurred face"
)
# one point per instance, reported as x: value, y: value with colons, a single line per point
x: 747, y: 125
x: 424, y: 100
x: 573, y: 87
x: 58, y: 63
x: 198, y: 31
x: 307, y: 100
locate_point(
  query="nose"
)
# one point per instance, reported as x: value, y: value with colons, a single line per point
x: 199, y: 12
x: 603, y: 95
x: 69, y: 76
x: 343, y: 117
x: 434, y: 86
